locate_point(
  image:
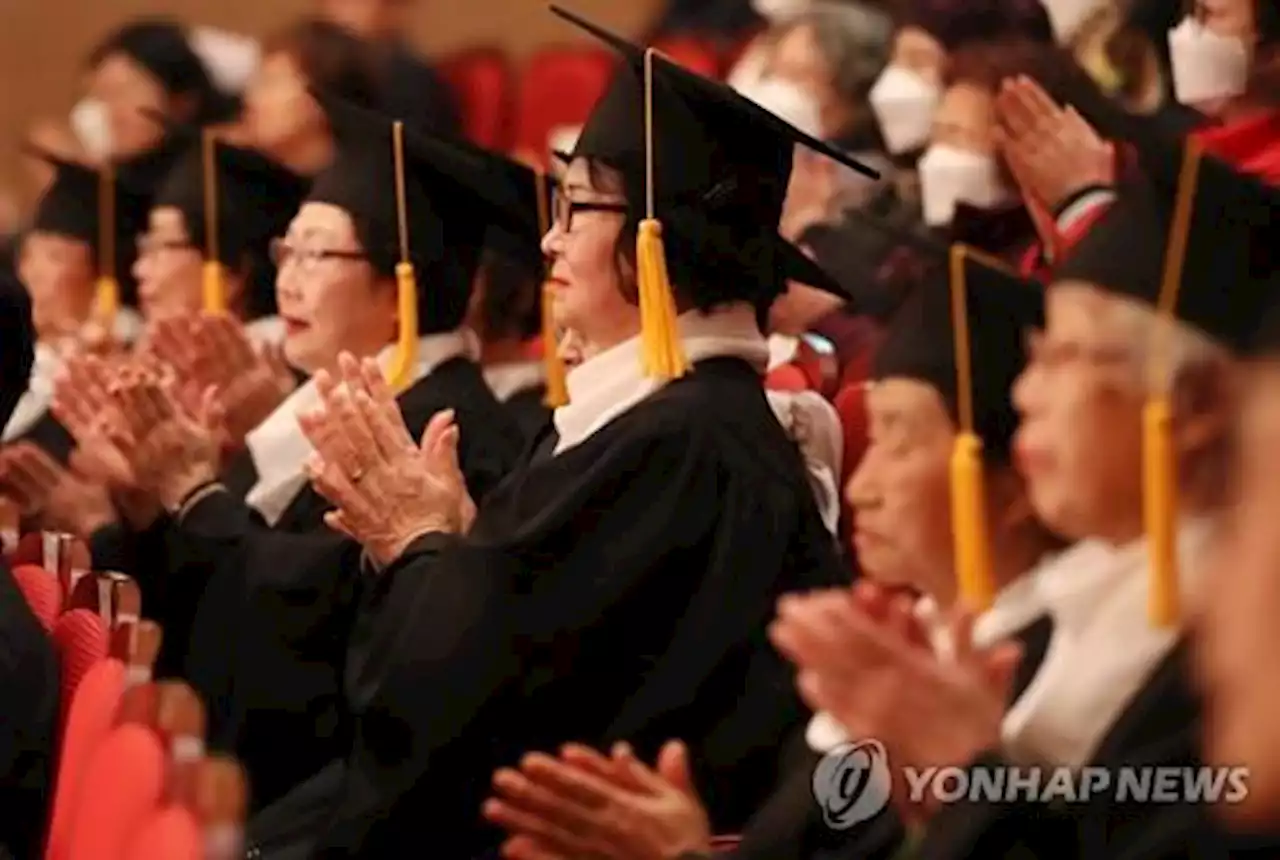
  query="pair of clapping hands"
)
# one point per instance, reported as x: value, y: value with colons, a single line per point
x: 148, y: 424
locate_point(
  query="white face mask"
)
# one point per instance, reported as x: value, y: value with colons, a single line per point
x: 1068, y: 16
x: 904, y: 104
x: 949, y: 175
x: 778, y: 10
x: 91, y: 127
x: 1208, y: 69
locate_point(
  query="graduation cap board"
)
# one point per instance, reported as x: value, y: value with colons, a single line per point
x: 962, y: 331
x: 423, y: 208
x: 711, y: 167
x: 90, y: 205
x: 234, y: 201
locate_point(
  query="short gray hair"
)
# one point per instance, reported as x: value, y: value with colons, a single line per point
x: 1187, y: 348
x: 852, y: 37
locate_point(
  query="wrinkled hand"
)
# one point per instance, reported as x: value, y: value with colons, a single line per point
x: 387, y: 490
x: 170, y: 451
x: 213, y: 350
x: 927, y: 710
x: 585, y: 805
x: 83, y: 404
x: 1052, y: 150
x: 62, y: 500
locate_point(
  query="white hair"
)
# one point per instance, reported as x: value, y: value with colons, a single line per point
x: 1186, y: 349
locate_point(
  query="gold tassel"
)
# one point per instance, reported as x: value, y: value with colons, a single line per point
x: 968, y: 497
x: 1160, y: 511
x: 662, y: 351
x: 107, y: 288
x: 406, y: 357
x: 1159, y: 472
x: 214, y: 287
x: 969, y: 522
x: 213, y: 281
x: 401, y: 374
x: 557, y: 376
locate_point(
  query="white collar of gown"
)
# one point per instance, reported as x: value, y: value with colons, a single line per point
x: 509, y: 378
x: 612, y: 382
x: 1015, y: 607
x: 1102, y: 649
x: 35, y: 401
x: 280, y: 450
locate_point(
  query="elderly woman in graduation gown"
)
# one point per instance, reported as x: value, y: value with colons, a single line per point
x: 902, y: 495
x: 1113, y: 688
x: 61, y: 263
x: 28, y: 664
x: 247, y: 547
x: 255, y: 200
x: 617, y: 584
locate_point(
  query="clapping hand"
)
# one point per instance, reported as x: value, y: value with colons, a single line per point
x: 171, y: 450
x: 83, y: 404
x: 387, y: 490
x: 213, y: 351
x: 1052, y: 150
x: 60, y: 499
x: 586, y: 805
x: 929, y: 710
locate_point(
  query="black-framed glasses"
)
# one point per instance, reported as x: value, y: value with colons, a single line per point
x: 308, y: 258
x: 563, y: 208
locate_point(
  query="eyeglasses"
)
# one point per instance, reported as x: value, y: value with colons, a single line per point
x: 563, y: 208
x: 308, y: 259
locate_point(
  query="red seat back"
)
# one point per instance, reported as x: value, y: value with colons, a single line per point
x: 81, y: 639
x: 42, y: 592
x: 693, y: 54
x: 89, y: 719
x: 121, y: 789
x: 481, y: 79
x: 559, y: 86
x: 171, y: 833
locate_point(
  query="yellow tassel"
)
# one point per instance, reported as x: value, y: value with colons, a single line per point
x: 1159, y: 498
x: 215, y: 293
x: 663, y: 353
x: 557, y: 383
x: 107, y: 298
x: 969, y: 524
x: 406, y: 359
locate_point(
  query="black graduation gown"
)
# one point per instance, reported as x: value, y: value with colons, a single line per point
x: 230, y: 597
x: 28, y: 728
x: 1160, y: 727
x: 528, y: 411
x: 790, y: 826
x: 620, y: 590
x: 48, y: 434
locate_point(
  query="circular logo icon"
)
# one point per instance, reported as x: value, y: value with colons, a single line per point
x: 852, y: 783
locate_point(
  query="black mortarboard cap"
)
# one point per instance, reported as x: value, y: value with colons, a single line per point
x: 721, y: 164
x: 1232, y: 246
x: 921, y: 344
x: 460, y: 198
x: 256, y: 199
x: 72, y: 207
x: 17, y: 347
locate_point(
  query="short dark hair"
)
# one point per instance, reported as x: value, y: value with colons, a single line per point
x: 987, y: 64
x: 332, y: 59
x: 510, y: 300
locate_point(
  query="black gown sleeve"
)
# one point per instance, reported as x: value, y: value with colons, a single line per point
x: 29, y: 691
